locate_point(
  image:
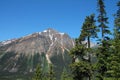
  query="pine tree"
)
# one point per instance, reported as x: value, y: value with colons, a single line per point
x: 102, y: 19
x: 114, y: 65
x: 38, y: 73
x: 89, y: 30
x: 81, y: 67
x: 104, y: 48
x: 65, y: 75
x: 51, y: 74
x: 80, y: 70
x: 114, y: 61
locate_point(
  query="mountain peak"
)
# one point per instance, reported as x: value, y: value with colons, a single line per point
x: 51, y: 31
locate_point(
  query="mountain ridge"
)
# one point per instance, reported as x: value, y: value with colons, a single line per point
x: 50, y: 34
x: 23, y: 54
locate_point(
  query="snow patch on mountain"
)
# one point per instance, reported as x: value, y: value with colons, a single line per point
x: 62, y: 33
x: 7, y: 42
x: 45, y: 31
x: 39, y: 32
x: 51, y: 36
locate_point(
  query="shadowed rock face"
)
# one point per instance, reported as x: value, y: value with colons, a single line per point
x: 23, y: 54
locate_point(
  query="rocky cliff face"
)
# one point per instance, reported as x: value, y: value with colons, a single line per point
x: 23, y: 54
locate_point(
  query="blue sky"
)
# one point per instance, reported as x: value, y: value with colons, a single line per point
x: 22, y: 17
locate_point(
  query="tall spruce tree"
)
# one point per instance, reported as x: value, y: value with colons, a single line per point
x: 81, y: 67
x: 116, y: 55
x: 89, y: 30
x: 103, y: 49
x: 103, y: 19
x: 114, y: 65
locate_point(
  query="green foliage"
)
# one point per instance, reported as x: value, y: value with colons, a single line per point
x: 114, y: 61
x: 65, y: 75
x: 108, y: 64
x: 41, y: 75
x: 81, y: 70
x: 103, y: 51
x: 117, y: 22
x: 51, y: 74
x: 81, y: 67
x: 78, y: 50
x: 102, y: 19
x: 89, y: 29
x: 38, y: 73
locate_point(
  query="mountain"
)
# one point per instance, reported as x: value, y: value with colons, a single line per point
x: 19, y: 57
